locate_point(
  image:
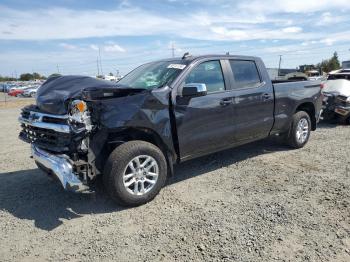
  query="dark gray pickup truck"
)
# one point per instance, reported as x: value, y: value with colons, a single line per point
x: 132, y: 132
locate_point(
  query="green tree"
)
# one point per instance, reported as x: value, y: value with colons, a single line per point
x: 26, y: 77
x: 54, y: 75
x: 36, y: 76
x: 330, y: 64
x: 110, y: 74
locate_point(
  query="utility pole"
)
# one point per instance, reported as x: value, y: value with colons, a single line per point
x: 279, y: 65
x: 98, y: 68
x: 172, y: 49
x: 99, y: 55
x: 58, y: 69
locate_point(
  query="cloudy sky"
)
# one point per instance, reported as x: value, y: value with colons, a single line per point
x: 66, y: 35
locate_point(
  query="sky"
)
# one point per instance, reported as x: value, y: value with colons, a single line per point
x: 67, y: 36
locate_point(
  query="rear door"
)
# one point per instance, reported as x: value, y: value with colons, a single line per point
x: 253, y: 102
x: 205, y: 124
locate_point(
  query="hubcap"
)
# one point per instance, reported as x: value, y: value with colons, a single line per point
x: 302, y: 130
x: 140, y: 175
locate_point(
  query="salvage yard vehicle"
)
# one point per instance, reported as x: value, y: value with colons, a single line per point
x: 162, y: 113
x: 30, y: 91
x: 336, y: 91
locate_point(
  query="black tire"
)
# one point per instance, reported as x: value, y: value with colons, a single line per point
x: 292, y: 134
x: 116, y: 165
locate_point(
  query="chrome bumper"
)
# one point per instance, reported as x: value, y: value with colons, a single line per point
x: 61, y: 168
x: 342, y: 110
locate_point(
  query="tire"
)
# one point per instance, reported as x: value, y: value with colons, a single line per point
x: 293, y: 138
x: 117, y: 168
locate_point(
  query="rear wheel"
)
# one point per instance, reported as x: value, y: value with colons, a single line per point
x: 299, y: 132
x: 134, y: 173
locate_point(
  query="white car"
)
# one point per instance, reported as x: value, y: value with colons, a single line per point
x: 337, y: 89
x: 30, y: 92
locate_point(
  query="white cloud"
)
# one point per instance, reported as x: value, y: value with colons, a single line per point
x: 68, y: 46
x: 94, y: 47
x: 292, y: 29
x: 58, y: 23
x: 114, y: 48
x: 293, y: 6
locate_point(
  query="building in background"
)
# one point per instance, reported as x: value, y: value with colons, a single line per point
x: 273, y: 73
x: 346, y: 65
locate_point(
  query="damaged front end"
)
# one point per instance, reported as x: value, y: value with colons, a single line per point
x: 60, y: 143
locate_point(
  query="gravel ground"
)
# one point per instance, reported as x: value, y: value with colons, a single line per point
x: 259, y: 202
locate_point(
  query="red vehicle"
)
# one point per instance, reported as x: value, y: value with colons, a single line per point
x: 15, y: 92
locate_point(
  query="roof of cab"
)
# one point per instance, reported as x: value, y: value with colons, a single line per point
x: 191, y: 58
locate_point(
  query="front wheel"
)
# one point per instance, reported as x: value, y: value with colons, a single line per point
x: 300, y: 130
x: 135, y: 172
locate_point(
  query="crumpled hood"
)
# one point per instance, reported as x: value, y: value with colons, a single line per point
x: 52, y: 97
x: 339, y: 86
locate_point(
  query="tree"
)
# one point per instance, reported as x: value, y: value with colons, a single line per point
x: 7, y: 78
x: 330, y: 64
x: 26, y: 77
x: 110, y: 74
x: 54, y: 75
x: 36, y: 76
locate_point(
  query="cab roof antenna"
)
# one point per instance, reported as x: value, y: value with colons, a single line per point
x: 187, y: 54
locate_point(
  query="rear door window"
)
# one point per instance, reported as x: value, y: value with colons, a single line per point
x: 245, y: 74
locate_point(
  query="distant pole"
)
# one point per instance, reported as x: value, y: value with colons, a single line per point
x: 279, y: 65
x: 16, y: 74
x: 99, y: 55
x: 98, y: 67
x: 172, y: 49
x: 58, y: 69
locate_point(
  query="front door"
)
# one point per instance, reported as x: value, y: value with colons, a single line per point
x: 205, y: 124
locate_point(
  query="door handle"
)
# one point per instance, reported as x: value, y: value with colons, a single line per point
x: 266, y: 96
x: 226, y: 101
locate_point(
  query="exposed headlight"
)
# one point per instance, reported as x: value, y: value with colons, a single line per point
x: 79, y: 115
x: 77, y: 107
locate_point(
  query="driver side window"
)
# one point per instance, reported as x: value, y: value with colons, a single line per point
x: 208, y: 73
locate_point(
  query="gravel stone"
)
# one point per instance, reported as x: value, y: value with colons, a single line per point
x: 258, y: 202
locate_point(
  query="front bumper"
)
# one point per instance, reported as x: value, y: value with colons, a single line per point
x: 61, y: 167
x: 342, y: 110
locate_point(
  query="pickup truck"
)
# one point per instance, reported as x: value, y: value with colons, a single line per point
x: 336, y: 92
x: 162, y: 113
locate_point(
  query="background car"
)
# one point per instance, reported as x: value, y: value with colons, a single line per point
x: 15, y: 92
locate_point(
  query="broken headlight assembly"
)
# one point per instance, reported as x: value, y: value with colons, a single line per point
x: 79, y: 116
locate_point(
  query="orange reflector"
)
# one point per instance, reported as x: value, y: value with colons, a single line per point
x: 81, y: 106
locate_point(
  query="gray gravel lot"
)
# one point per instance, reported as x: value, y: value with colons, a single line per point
x: 259, y: 202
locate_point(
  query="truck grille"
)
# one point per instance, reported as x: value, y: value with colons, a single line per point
x: 341, y: 100
x: 45, y: 130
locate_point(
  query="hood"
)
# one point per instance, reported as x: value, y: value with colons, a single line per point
x: 339, y: 86
x: 54, y: 95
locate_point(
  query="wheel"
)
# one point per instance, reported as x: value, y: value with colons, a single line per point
x: 32, y: 94
x: 135, y: 172
x: 300, y: 130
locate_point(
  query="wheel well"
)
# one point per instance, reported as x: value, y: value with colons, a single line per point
x: 309, y: 108
x: 144, y: 134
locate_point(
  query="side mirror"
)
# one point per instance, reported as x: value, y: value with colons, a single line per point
x: 194, y: 89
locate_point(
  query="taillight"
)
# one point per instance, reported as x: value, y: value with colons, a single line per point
x: 322, y: 85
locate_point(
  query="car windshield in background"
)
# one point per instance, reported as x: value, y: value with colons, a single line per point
x: 339, y: 76
x: 153, y: 75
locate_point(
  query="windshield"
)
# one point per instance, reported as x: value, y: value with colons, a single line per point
x: 339, y: 76
x: 153, y: 75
